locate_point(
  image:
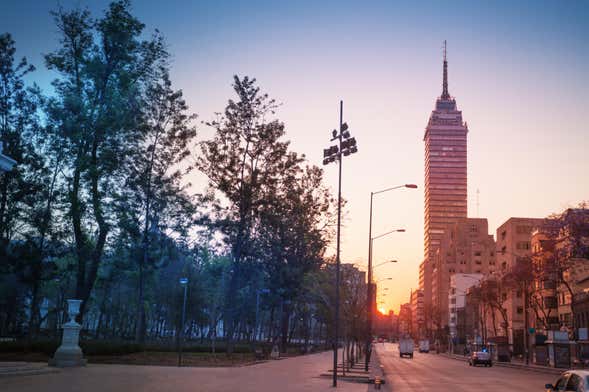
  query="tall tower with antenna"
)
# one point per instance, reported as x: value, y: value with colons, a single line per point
x: 445, y: 178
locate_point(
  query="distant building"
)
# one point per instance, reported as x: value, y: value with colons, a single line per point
x: 417, y: 314
x: 425, y: 286
x: 466, y: 248
x: 445, y: 180
x: 459, y: 284
x: 405, y: 319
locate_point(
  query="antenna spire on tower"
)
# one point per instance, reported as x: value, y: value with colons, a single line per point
x: 445, y: 94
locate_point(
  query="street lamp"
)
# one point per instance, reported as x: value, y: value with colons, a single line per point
x: 384, y: 262
x: 346, y: 145
x: 183, y: 282
x: 369, y: 286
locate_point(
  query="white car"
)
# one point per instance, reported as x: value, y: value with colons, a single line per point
x: 571, y: 380
x: 480, y: 357
x: 424, y: 346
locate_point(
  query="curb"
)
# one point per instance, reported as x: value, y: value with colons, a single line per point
x: 25, y: 370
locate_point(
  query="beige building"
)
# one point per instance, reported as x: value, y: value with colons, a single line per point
x: 513, y: 239
x: 560, y: 253
x: 466, y: 248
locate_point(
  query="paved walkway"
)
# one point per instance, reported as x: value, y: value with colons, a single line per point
x: 286, y: 375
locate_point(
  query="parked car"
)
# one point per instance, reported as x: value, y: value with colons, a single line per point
x: 406, y: 347
x: 424, y: 346
x: 480, y: 358
x: 571, y: 380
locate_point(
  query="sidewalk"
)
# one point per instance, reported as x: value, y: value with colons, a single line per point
x: 292, y: 374
x: 513, y: 365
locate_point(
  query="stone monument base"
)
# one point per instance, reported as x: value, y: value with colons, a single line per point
x: 69, y: 354
x: 63, y: 362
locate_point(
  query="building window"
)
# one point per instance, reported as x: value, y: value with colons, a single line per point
x: 478, y: 261
x: 477, y: 253
x: 523, y: 245
x: 520, y: 310
x: 524, y: 229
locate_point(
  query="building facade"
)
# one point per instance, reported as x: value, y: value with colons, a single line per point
x: 514, y: 248
x: 466, y: 248
x: 445, y: 179
x: 417, y: 314
x: 459, y: 285
x: 405, y: 320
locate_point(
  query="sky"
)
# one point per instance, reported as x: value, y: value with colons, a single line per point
x: 518, y: 71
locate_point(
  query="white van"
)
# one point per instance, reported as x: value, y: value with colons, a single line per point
x: 406, y: 347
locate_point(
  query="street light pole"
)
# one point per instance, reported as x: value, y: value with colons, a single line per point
x: 369, y: 280
x: 346, y: 146
x: 183, y: 282
x: 337, y: 262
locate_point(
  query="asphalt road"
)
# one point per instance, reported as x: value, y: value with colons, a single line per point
x: 432, y: 372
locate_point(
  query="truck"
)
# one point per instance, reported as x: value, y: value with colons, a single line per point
x: 406, y: 347
x: 424, y: 346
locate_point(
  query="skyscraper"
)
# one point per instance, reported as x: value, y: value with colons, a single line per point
x: 445, y: 177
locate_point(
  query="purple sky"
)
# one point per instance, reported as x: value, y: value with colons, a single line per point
x: 518, y: 72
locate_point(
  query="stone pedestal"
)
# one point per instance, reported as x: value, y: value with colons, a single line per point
x: 69, y: 353
x: 275, y: 354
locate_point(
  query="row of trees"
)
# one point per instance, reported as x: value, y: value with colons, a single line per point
x: 101, y: 207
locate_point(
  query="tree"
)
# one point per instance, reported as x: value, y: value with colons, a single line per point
x: 567, y: 249
x: 159, y: 197
x: 244, y: 162
x: 105, y: 68
x: 294, y: 232
x: 28, y: 191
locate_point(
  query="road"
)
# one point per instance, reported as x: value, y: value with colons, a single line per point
x: 431, y: 372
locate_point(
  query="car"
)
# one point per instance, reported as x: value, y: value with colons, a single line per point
x: 571, y: 380
x: 424, y: 346
x: 480, y: 358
